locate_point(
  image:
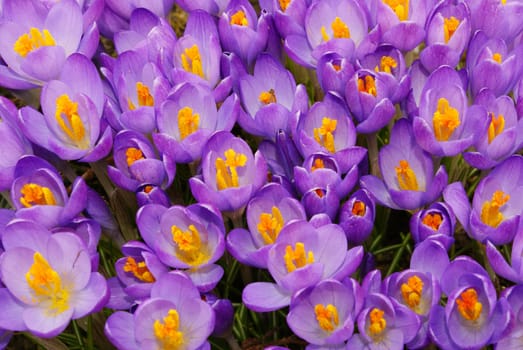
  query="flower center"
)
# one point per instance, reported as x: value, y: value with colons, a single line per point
x: 468, y: 305
x: 139, y: 270
x: 284, y: 4
x: 324, y: 134
x: 72, y: 124
x: 267, y: 97
x: 359, y: 208
x: 377, y: 322
x: 450, y: 25
x: 318, y: 164
x: 496, y: 56
x: 143, y: 95
x: 496, y: 126
x: 226, y: 172
x: 411, y: 291
x: 33, y: 194
x: 33, y: 40
x: 406, y: 176
x: 132, y: 155
x: 239, y: 19
x: 46, y: 285
x: 445, y: 120
x: 297, y: 257
x: 190, y: 248
x: 400, y: 8
x: 327, y: 316
x: 339, y: 30
x: 367, y: 84
x: 386, y: 64
x: 167, y: 332
x: 188, y: 122
x: 432, y: 220
x: 192, y: 60
x: 490, y: 214
x: 270, y: 225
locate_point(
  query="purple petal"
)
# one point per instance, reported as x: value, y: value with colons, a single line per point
x: 265, y: 296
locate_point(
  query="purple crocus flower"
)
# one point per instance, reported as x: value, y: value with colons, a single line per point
x: 324, y: 314
x: 49, y: 280
x: 70, y: 125
x: 38, y: 193
x: 302, y: 256
x: 37, y: 40
x: 357, y: 216
x: 174, y: 317
x: 496, y: 210
x: 91, y: 9
x: 334, y: 71
x: 512, y: 340
x: 437, y: 222
x: 267, y: 213
x: 212, y: 7
x: 224, y: 314
x: 152, y: 195
x: 190, y: 238
x: 231, y: 174
x: 408, y: 181
x: 498, y: 19
x: 446, y: 125
x: 188, y: 118
x: 289, y: 15
x: 513, y: 271
x: 473, y: 317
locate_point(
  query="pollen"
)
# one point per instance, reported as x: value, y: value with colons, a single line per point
x: 377, y: 322
x: 143, y: 95
x: 497, y: 57
x: 318, y: 164
x: 406, y: 176
x: 188, y: 122
x: 239, y: 19
x: 490, y: 211
x: 192, y: 61
x: 496, y: 126
x: 327, y: 317
x: 132, y: 155
x: 297, y: 258
x: 432, y: 220
x: 445, y: 120
x: 324, y: 134
x: 167, y: 333
x: 190, y: 248
x: 411, y: 291
x: 387, y: 63
x: 359, y: 208
x: 400, y: 8
x: 34, y: 194
x: 267, y: 97
x: 270, y: 225
x: 226, y: 169
x: 367, y: 84
x: 72, y: 124
x: 450, y: 25
x: 468, y: 305
x: 284, y: 4
x: 339, y: 30
x: 139, y: 270
x: 33, y: 40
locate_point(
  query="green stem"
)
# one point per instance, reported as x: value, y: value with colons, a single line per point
x: 77, y: 334
x: 372, y: 146
x: 90, y: 340
x: 233, y: 343
x: 7, y: 197
x: 100, y: 170
x: 398, y: 255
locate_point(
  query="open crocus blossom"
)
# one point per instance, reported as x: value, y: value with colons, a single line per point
x: 48, y: 280
x: 175, y: 317
x: 496, y: 210
x: 357, y: 216
x: 408, y: 178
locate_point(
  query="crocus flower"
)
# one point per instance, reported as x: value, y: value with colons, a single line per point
x: 213, y: 7
x: 70, y: 125
x: 496, y: 210
x: 267, y: 214
x: 324, y: 314
x: 473, y: 317
x: 48, y: 280
x: 512, y: 340
x: 512, y: 271
x: 446, y: 125
x: 223, y: 312
x: 498, y: 19
x: 37, y: 40
x: 302, y: 256
x: 436, y: 222
x: 190, y: 238
x: 174, y: 317
x: 357, y: 216
x: 231, y: 174
x: 408, y: 181
x: 38, y: 193
x: 334, y: 71
x: 149, y: 194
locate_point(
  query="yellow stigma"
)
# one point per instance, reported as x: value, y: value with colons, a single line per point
x: 132, y: 155
x: 468, y: 305
x: 226, y: 173
x: 503, y: 2
x: 270, y: 225
x: 327, y: 317
x: 318, y: 164
x: 188, y: 122
x: 359, y: 208
x: 267, y: 97
x: 72, y: 124
x: 143, y: 95
x: 46, y: 286
x: 33, y: 40
x: 411, y: 291
x: 386, y: 64
x: 496, y: 127
x: 406, y: 176
x: 400, y: 8
x: 239, y: 19
x: 497, y: 57
x: 284, y: 4
x: 190, y: 249
x: 490, y: 214
x: 368, y: 85
x: 192, y: 61
x: 33, y: 194
x: 297, y: 258
x: 450, y: 25
x: 377, y: 322
x: 432, y: 220
x: 324, y: 134
x: 445, y: 120
x: 339, y: 30
x: 168, y: 334
x: 139, y: 270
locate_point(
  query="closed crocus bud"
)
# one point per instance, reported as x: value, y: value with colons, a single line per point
x: 334, y: 70
x: 437, y: 222
x: 357, y: 217
x: 223, y: 312
x: 150, y: 194
x: 514, y: 296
